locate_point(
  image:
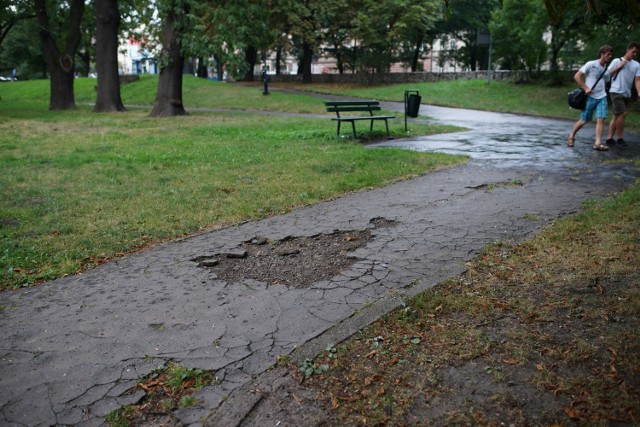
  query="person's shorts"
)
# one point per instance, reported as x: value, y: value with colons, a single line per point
x: 597, y: 106
x: 619, y: 103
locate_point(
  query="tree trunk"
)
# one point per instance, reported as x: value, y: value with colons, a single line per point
x: 60, y: 65
x: 278, y: 59
x: 250, y: 57
x: 189, y: 66
x: 416, y: 53
x: 108, y: 21
x: 85, y: 63
x: 556, y: 46
x: 169, y: 97
x: 306, y: 62
x: 339, y: 57
x: 219, y: 67
x: 202, y: 68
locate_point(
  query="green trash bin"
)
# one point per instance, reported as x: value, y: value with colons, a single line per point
x: 413, y: 105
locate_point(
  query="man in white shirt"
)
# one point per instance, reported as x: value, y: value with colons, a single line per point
x: 591, y: 77
x: 625, y: 72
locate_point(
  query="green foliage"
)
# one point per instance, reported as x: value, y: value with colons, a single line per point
x: 177, y: 375
x: 382, y: 28
x: 120, y: 417
x: 365, y: 35
x: 467, y: 18
x: 21, y: 50
x: 517, y: 30
x: 331, y: 351
x: 189, y: 401
x: 309, y: 367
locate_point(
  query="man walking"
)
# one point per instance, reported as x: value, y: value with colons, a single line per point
x: 625, y: 72
x: 593, y: 74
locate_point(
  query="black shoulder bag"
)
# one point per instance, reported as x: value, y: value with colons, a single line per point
x: 578, y: 97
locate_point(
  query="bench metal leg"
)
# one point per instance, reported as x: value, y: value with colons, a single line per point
x: 387, y: 125
x: 353, y: 124
x: 338, y: 132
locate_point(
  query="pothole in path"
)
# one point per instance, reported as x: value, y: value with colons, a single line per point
x: 293, y: 261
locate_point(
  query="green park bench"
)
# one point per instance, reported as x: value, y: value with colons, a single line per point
x: 356, y: 106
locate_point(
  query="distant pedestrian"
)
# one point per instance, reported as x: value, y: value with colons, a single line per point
x: 14, y: 75
x: 594, y: 73
x: 625, y: 73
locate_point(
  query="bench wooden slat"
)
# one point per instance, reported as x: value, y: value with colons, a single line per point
x: 338, y: 103
x: 348, y: 119
x: 341, y: 109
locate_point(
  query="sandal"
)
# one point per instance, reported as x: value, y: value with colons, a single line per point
x: 600, y: 147
x: 570, y: 141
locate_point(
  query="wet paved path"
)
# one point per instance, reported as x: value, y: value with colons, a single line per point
x: 70, y: 349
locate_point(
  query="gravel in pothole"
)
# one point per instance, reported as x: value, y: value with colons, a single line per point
x: 294, y: 261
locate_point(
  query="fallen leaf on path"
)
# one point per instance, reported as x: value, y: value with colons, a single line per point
x: 334, y: 402
x: 572, y: 413
x: 297, y: 399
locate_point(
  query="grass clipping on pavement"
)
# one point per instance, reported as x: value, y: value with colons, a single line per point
x: 544, y: 332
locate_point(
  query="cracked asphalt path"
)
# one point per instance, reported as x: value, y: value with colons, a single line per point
x: 71, y: 348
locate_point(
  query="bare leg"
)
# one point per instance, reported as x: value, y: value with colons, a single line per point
x: 612, y: 127
x: 576, y: 128
x: 599, y: 129
x: 620, y: 125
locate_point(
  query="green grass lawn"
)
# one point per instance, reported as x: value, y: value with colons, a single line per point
x: 78, y: 188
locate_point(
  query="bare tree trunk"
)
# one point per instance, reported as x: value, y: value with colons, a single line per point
x: 169, y: 97
x: 108, y: 21
x: 60, y: 65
